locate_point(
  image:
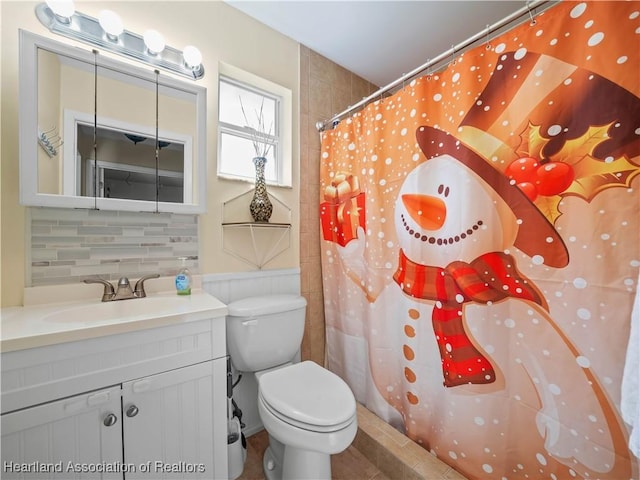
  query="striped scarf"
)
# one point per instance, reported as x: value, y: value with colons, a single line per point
x: 489, y: 278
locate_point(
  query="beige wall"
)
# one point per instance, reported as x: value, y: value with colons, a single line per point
x: 325, y: 90
x: 223, y: 35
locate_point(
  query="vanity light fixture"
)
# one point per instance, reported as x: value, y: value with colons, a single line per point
x: 111, y: 23
x: 108, y: 33
x: 63, y: 9
x: 154, y: 41
x: 192, y: 58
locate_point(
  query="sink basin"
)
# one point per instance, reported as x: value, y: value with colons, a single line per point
x: 122, y: 310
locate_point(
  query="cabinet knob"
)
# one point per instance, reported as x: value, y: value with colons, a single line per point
x: 110, y: 420
x: 132, y: 411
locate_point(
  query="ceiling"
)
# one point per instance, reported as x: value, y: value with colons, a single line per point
x: 379, y: 40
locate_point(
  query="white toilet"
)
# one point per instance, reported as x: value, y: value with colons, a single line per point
x: 308, y: 412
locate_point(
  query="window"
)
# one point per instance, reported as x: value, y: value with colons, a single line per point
x: 248, y: 104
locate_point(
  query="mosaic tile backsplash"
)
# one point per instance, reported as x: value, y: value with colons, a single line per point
x: 70, y: 245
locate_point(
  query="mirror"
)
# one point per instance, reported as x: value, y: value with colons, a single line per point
x: 126, y: 166
x: 98, y: 133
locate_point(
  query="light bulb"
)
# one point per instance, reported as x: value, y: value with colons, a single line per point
x: 63, y: 9
x: 154, y: 41
x: 192, y: 57
x: 111, y: 24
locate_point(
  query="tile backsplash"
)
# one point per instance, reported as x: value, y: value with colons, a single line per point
x: 68, y: 245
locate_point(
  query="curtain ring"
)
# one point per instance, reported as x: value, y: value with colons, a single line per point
x: 533, y: 20
x: 428, y: 70
x: 487, y: 41
x: 453, y: 55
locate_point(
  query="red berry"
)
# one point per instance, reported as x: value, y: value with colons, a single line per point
x: 529, y: 189
x: 522, y: 170
x: 553, y: 178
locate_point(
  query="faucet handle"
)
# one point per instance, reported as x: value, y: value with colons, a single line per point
x: 138, y: 291
x: 108, y: 293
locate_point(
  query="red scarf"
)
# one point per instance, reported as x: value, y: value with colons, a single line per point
x: 489, y: 278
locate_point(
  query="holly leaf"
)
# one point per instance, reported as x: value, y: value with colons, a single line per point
x: 575, y: 150
x: 549, y: 207
x: 592, y: 176
x: 532, y: 142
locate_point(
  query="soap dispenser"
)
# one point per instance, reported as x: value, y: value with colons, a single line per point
x: 183, y: 279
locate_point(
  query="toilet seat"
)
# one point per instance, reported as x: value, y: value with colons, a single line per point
x: 308, y: 396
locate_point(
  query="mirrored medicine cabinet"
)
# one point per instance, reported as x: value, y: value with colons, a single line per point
x: 99, y: 133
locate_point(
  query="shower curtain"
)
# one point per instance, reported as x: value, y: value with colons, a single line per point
x: 480, y: 248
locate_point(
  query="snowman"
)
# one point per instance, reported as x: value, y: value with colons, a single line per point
x: 461, y: 336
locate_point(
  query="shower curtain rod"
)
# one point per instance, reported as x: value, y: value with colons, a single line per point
x: 526, y: 10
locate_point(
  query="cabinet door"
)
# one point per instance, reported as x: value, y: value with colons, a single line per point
x: 169, y: 423
x: 77, y: 437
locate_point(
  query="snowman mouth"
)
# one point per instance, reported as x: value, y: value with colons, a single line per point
x: 440, y: 240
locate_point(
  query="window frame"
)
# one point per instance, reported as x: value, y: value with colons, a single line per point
x: 282, y: 135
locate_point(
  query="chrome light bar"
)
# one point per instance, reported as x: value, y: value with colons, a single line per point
x: 88, y: 29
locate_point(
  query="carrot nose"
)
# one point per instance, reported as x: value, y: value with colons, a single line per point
x: 427, y: 211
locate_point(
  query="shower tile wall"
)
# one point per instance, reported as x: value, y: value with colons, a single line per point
x: 325, y: 90
x: 68, y: 245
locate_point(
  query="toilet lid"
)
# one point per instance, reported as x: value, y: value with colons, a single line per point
x: 309, y: 396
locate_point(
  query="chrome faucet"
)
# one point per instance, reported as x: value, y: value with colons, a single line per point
x: 124, y: 290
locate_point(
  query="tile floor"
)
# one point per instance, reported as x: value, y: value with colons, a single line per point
x: 379, y: 452
x: 348, y: 465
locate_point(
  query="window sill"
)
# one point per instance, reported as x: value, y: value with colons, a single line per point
x: 233, y: 178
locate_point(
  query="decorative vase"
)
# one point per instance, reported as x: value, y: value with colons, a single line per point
x: 260, y: 206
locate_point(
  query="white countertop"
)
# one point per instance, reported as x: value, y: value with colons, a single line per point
x: 38, y: 325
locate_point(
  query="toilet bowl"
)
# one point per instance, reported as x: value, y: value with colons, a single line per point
x: 312, y: 413
x: 308, y: 411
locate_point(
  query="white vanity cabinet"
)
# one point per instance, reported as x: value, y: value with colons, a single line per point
x: 148, y: 403
x: 64, y: 431
x: 168, y: 417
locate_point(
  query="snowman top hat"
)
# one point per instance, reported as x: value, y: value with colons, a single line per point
x: 536, y: 235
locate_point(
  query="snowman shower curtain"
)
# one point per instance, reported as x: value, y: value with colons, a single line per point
x: 480, y: 249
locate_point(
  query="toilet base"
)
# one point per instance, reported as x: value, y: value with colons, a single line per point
x: 272, y: 469
x: 297, y: 464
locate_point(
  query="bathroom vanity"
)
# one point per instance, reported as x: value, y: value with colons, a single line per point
x: 126, y: 389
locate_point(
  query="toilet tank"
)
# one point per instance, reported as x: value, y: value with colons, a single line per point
x: 265, y: 331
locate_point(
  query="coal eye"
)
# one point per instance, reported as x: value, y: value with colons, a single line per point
x: 442, y: 189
